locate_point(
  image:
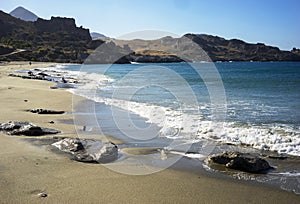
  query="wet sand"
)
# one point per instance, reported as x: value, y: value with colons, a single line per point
x: 27, y: 170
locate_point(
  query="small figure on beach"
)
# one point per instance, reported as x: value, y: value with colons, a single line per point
x: 63, y: 80
x: 30, y: 63
x: 30, y: 73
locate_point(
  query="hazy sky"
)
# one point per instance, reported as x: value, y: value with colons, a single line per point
x: 273, y: 22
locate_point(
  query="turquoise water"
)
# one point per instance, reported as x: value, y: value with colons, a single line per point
x: 252, y: 103
x: 263, y: 93
x: 257, y: 93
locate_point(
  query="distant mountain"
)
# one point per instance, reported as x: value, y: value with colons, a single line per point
x: 23, y: 14
x: 202, y: 47
x: 95, y: 35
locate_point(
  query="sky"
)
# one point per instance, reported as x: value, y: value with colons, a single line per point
x: 273, y: 22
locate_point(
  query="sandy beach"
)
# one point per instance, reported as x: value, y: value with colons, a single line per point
x: 27, y: 170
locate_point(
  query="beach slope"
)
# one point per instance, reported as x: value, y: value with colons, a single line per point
x: 27, y: 170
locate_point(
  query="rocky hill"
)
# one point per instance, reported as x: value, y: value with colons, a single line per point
x: 57, y: 40
x: 220, y: 49
x: 201, y: 47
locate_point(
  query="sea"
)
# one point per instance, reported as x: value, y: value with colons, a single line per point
x: 194, y: 109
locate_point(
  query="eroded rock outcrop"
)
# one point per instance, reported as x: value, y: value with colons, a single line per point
x: 241, y: 161
x: 46, y: 111
x: 60, y: 25
x: 25, y: 128
x: 88, y: 150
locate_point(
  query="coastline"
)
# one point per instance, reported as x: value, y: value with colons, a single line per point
x: 26, y: 170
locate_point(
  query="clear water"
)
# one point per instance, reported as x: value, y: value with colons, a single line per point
x: 257, y: 93
x: 262, y: 99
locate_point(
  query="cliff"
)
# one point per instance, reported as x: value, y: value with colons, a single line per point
x: 63, y: 27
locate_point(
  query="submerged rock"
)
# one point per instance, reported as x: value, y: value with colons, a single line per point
x: 25, y: 128
x: 45, y: 111
x: 241, y: 161
x: 88, y: 150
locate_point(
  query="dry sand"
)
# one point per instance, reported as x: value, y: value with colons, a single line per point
x: 26, y: 170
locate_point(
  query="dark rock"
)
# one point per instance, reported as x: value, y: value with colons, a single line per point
x: 88, y: 150
x: 223, y: 158
x: 42, y: 195
x: 51, y: 122
x: 241, y: 161
x: 25, y: 128
x: 45, y: 111
x: 30, y: 76
x: 249, y: 164
x: 277, y: 157
x: 43, y: 74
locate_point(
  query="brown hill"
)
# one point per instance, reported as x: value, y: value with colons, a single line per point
x: 201, y: 47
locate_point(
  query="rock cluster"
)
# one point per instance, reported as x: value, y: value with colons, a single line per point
x: 241, y: 161
x: 25, y: 128
x: 88, y: 150
x: 36, y: 77
x: 45, y: 111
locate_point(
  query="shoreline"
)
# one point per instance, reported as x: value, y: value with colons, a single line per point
x: 26, y: 170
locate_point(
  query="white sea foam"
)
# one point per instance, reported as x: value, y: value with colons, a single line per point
x: 290, y: 174
x: 281, y: 140
x: 181, y: 124
x: 174, y: 124
x: 190, y: 155
x: 60, y: 66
